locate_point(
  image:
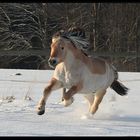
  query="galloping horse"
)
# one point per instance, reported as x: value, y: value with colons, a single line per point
x: 79, y: 73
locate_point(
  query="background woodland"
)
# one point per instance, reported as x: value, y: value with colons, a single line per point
x: 113, y: 30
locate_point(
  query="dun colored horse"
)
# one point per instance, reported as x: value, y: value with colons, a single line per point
x: 79, y: 73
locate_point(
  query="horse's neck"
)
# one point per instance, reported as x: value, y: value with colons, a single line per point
x: 71, y: 62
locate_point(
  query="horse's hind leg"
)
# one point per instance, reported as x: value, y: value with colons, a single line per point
x: 97, y: 100
x: 90, y: 98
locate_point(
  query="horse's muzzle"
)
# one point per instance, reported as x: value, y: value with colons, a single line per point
x: 52, y: 62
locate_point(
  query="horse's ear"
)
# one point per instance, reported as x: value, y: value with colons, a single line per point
x: 55, y: 36
x: 53, y: 40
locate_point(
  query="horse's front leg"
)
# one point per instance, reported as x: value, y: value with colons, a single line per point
x: 53, y: 85
x: 68, y: 96
x: 63, y: 94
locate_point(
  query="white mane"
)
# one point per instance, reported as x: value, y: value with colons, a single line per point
x: 79, y: 42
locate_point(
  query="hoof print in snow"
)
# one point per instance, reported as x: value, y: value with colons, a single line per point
x: 18, y: 74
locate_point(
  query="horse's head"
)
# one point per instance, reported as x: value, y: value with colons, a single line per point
x: 58, y: 50
x: 62, y: 41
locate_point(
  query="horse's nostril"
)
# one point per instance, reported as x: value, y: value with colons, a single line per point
x: 52, y: 61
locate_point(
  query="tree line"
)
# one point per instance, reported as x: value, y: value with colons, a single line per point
x: 109, y: 27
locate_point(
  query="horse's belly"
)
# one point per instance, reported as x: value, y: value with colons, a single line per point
x: 90, y: 84
x: 94, y: 82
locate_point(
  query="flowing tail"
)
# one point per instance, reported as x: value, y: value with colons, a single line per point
x: 119, y: 88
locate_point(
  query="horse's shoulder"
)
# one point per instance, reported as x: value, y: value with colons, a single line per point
x: 59, y: 72
x: 60, y: 67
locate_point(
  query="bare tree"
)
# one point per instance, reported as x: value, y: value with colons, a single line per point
x: 110, y: 27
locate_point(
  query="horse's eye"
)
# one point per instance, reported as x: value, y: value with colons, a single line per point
x: 62, y: 48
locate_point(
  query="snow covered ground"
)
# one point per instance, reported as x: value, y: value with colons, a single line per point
x: 117, y: 115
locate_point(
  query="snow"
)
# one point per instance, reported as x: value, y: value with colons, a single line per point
x: 116, y: 116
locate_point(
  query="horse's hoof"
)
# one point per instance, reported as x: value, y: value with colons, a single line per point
x: 68, y: 102
x: 41, y: 112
